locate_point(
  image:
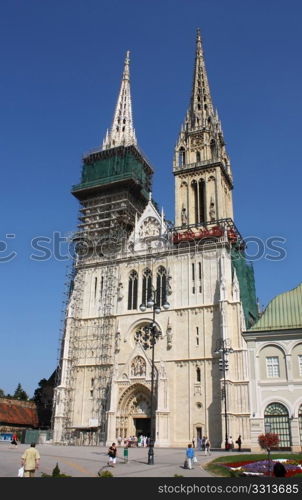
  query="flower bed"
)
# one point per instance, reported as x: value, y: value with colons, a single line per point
x: 262, y: 467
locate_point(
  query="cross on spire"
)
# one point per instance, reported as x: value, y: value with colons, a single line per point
x: 122, y: 132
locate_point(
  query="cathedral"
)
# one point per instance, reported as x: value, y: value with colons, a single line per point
x: 153, y: 328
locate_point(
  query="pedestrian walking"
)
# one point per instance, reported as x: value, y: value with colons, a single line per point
x: 190, y: 455
x: 199, y: 444
x: 207, y: 449
x: 30, y: 461
x: 14, y: 439
x: 203, y: 442
x: 112, y: 453
x: 239, y: 443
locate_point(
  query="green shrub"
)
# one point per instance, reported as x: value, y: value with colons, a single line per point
x: 105, y: 473
x: 55, y: 473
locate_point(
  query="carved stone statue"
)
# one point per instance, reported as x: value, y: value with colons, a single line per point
x: 184, y: 217
x: 169, y: 335
x: 138, y: 367
x: 212, y: 211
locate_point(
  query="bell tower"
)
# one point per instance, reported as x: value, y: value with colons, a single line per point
x: 203, y: 177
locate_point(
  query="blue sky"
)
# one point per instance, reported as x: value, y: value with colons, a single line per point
x: 61, y: 65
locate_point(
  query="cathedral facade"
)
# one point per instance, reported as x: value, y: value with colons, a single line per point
x: 136, y: 273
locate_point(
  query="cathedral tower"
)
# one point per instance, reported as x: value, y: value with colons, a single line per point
x: 203, y: 177
x: 127, y: 253
x: 116, y: 179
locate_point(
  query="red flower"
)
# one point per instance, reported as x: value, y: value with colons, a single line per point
x: 268, y: 440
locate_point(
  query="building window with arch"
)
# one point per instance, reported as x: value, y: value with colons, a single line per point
x: 272, y: 367
x: 147, y: 286
x: 198, y: 157
x: 198, y: 374
x: 132, y: 290
x: 161, y: 286
x: 300, y: 364
x: 277, y: 419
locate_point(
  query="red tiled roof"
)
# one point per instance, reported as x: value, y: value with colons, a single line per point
x: 11, y: 413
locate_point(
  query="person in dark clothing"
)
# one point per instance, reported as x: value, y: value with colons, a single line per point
x: 279, y: 470
x: 112, y: 452
x: 239, y: 443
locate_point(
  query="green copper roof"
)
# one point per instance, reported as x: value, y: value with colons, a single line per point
x: 283, y: 312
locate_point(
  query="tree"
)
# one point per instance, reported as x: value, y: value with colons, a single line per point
x: 267, y: 442
x: 39, y: 391
x: 20, y: 393
x: 2, y: 393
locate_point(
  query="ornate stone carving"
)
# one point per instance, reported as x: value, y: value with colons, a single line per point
x: 212, y: 211
x: 184, y: 217
x: 169, y: 335
x: 149, y: 227
x: 117, y: 341
x: 138, y: 367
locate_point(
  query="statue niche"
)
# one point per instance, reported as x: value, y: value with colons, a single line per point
x: 138, y: 367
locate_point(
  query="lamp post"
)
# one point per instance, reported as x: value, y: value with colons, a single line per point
x: 151, y: 334
x: 224, y: 349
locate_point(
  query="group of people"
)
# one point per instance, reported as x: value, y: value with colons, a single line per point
x: 231, y: 443
x: 133, y: 441
x: 204, y: 444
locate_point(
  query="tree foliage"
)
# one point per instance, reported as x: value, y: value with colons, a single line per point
x: 2, y: 393
x: 20, y: 393
x: 39, y: 391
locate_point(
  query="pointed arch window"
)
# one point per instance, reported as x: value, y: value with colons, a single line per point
x: 181, y: 157
x: 147, y: 286
x: 161, y: 286
x: 197, y: 156
x: 132, y: 290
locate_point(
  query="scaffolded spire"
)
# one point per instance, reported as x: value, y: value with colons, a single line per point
x: 122, y: 132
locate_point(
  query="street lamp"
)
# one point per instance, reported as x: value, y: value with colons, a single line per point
x: 150, y: 335
x: 224, y: 349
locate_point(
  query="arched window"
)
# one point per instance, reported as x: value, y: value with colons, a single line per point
x: 161, y: 286
x: 181, y: 157
x: 197, y: 156
x: 276, y: 421
x: 198, y: 374
x: 132, y: 290
x: 147, y: 286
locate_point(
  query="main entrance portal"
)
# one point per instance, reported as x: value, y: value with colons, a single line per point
x: 142, y: 426
x: 133, y: 416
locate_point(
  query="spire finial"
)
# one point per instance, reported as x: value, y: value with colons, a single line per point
x: 126, y: 73
x: 122, y: 132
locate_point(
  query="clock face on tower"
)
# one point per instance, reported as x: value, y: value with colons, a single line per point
x: 149, y: 227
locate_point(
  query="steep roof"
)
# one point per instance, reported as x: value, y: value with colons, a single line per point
x: 18, y: 412
x: 283, y: 312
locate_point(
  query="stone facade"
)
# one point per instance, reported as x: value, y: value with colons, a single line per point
x: 104, y: 391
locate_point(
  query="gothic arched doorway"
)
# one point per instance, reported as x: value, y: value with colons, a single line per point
x: 133, y: 416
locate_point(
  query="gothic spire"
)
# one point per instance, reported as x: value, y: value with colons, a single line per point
x: 122, y: 132
x: 201, y: 106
